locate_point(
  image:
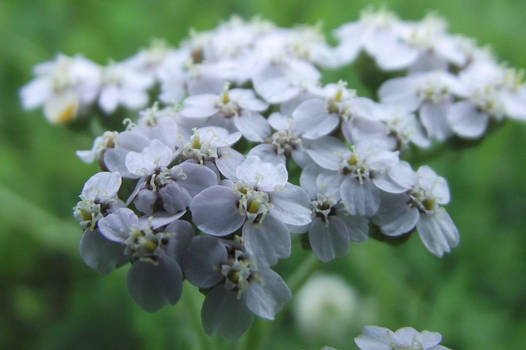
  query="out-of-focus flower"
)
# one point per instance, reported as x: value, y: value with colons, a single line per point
x: 325, y: 307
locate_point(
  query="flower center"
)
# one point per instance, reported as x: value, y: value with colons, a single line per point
x: 253, y: 204
x: 285, y: 142
x: 238, y: 272
x: 355, y: 167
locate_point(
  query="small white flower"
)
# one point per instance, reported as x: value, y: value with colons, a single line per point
x: 63, y: 87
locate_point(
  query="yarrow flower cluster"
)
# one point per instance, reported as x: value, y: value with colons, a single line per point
x: 197, y: 187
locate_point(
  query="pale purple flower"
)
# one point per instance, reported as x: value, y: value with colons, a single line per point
x: 237, y: 287
x: 333, y: 227
x: 361, y: 172
x: 154, y: 247
x: 420, y: 207
x: 239, y: 107
x: 260, y: 202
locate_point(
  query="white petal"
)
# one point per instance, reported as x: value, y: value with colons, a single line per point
x: 265, y: 176
x: 268, y: 241
x: 201, y: 260
x: 438, y: 232
x: 358, y: 226
x: 280, y: 121
x: 312, y: 119
x: 61, y: 108
x: 329, y: 240
x: 395, y: 217
x: 328, y: 152
x: 247, y: 100
x: 199, y: 106
x: 253, y: 126
x: 400, y: 92
x: 227, y: 162
x: 223, y: 313
x: 154, y: 286
x: 109, y: 99
x: 308, y: 179
x: 35, y: 93
x: 291, y: 205
x: 434, y: 118
x: 196, y: 177
x: 360, y: 199
x: 266, y: 296
x: 375, y: 338
x: 102, y: 185
x: 273, y: 85
x: 466, y: 120
x: 100, y: 253
x: 116, y: 226
x: 214, y: 211
x: 267, y: 153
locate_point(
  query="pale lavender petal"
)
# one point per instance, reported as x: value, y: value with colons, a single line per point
x: 153, y: 286
x: 267, y: 295
x: 214, y: 211
x: 268, y: 241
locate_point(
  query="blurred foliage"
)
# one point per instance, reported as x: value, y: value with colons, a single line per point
x: 476, y: 296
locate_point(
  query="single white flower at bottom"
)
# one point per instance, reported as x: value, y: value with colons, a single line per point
x: 407, y: 338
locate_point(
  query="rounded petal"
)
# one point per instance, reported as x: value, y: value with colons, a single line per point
x: 253, y: 126
x: 264, y: 175
x: 435, y: 121
x: 375, y: 338
x: 268, y: 241
x: 291, y: 205
x: 395, y: 217
x: 466, y: 120
x: 267, y: 153
x: 201, y: 260
x: 328, y: 152
x: 400, y: 92
x: 438, y: 232
x: 266, y: 295
x: 196, y: 177
x: 175, y: 198
x: 223, y: 313
x: 227, y: 162
x: 153, y: 286
x: 358, y: 226
x: 199, y: 106
x: 99, y: 253
x: 312, y: 119
x: 116, y: 226
x: 329, y: 240
x: 360, y: 199
x: 214, y: 211
x: 101, y: 185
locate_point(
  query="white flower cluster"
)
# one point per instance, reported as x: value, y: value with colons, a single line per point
x: 197, y: 188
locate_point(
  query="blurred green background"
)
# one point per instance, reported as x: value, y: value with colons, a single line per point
x: 475, y: 297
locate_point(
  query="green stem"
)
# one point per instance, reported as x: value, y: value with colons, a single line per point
x: 260, y: 331
x: 193, y: 303
x: 302, y: 274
